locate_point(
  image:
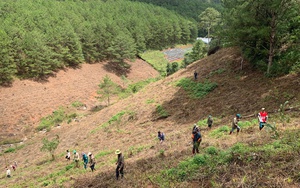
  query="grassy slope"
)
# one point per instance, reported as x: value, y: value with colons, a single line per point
x: 239, y: 91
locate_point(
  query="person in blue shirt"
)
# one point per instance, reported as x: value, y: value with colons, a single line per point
x: 161, y: 136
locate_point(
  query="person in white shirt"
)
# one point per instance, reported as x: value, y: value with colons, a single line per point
x: 8, y: 172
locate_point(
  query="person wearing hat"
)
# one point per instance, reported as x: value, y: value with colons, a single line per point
x: 92, y: 161
x: 235, y: 122
x: 262, y: 118
x: 120, y: 164
x: 209, y: 121
x: 197, y: 138
x: 76, y: 158
x: 85, y: 160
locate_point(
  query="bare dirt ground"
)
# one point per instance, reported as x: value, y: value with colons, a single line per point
x: 240, y: 90
x: 23, y: 104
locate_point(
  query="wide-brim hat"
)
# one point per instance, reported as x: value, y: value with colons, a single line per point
x: 118, y: 152
x: 89, y: 153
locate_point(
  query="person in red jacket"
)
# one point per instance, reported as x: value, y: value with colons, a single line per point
x: 262, y: 118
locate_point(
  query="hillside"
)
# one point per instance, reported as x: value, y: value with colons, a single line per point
x: 239, y: 90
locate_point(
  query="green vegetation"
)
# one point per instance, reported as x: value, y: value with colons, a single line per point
x: 213, y: 161
x: 219, y: 71
x: 135, y: 87
x: 199, y: 51
x: 161, y: 111
x: 157, y: 60
x: 55, y: 118
x: 58, y: 34
x: 107, y: 89
x: 77, y: 104
x: 50, y: 146
x: 196, y: 89
x: 260, y: 30
x: 103, y: 153
x: 220, y: 131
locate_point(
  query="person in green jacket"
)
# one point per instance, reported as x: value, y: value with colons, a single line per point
x: 85, y: 160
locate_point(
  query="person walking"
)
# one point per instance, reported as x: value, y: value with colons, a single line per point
x: 195, y: 75
x: 197, y: 138
x: 120, y: 164
x: 262, y: 118
x: 68, y: 156
x: 161, y: 136
x: 92, y: 161
x: 76, y: 158
x: 85, y: 160
x: 235, y: 125
x: 8, y: 173
x: 209, y: 121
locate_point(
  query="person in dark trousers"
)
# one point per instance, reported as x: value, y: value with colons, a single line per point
x: 120, y: 164
x: 161, y: 136
x: 235, y: 125
x: 197, y: 138
x: 68, y: 156
x: 85, y: 160
x: 209, y: 121
x: 92, y: 161
x: 262, y: 118
x: 195, y: 75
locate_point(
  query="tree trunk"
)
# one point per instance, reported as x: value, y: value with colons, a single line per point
x: 272, y: 41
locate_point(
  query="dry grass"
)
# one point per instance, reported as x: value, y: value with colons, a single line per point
x: 237, y: 92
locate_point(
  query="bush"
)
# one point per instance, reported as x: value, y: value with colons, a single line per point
x: 161, y: 111
x: 211, y: 150
x: 10, y: 150
x: 217, y: 133
x: 196, y: 89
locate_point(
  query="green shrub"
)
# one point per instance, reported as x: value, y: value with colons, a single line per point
x: 217, y: 133
x: 196, y: 89
x: 211, y: 150
x: 10, y: 150
x: 56, y: 117
x: 68, y: 167
x: 77, y: 104
x: 161, y: 111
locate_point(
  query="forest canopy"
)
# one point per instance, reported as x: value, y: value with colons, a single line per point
x: 38, y: 37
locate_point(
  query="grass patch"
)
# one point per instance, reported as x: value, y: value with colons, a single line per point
x: 77, y: 104
x: 218, y: 71
x: 135, y: 87
x: 161, y: 111
x: 196, y: 89
x: 55, y: 118
x: 219, y: 132
x: 103, y: 153
x: 157, y: 60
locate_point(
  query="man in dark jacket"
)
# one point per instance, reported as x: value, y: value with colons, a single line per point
x: 197, y: 138
x: 120, y: 164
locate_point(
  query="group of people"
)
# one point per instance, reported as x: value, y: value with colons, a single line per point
x: 262, y: 119
x: 90, y: 159
x: 14, y: 167
x: 197, y: 138
x: 86, y: 158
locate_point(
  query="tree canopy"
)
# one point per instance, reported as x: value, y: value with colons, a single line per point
x: 39, y: 37
x: 267, y: 32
